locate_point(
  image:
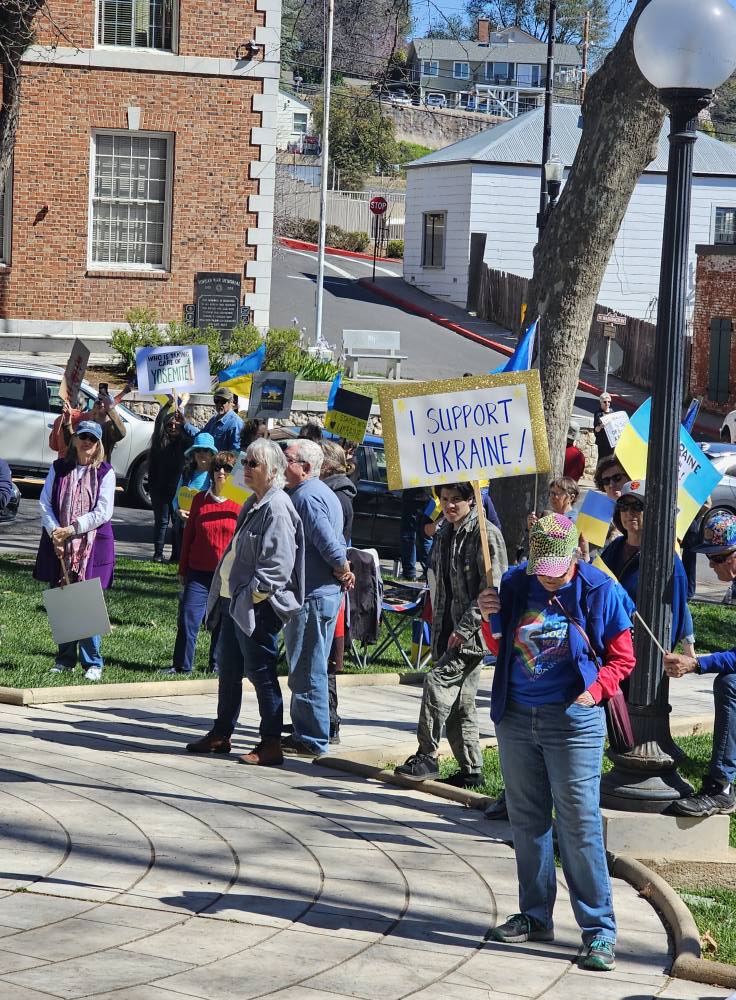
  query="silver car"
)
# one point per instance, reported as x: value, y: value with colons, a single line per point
x: 723, y: 456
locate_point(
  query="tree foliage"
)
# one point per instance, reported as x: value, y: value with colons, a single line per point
x: 533, y: 16
x: 362, y: 140
x: 723, y: 111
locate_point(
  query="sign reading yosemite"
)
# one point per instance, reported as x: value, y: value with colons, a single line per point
x: 459, y: 430
x: 183, y: 368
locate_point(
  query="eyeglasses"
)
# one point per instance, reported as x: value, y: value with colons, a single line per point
x: 225, y: 466
x: 615, y: 479
x: 557, y: 495
x: 87, y: 437
x: 250, y: 462
x: 630, y: 508
x: 219, y: 401
x: 719, y: 560
x: 295, y: 461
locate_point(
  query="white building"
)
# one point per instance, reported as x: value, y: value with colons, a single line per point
x: 489, y: 184
x: 294, y: 122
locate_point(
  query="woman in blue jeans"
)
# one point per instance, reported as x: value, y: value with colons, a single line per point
x: 258, y: 585
x: 565, y: 644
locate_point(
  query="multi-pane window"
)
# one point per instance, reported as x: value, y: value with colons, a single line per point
x: 301, y: 120
x: 725, y: 229
x: 499, y: 72
x: 430, y: 67
x: 461, y: 70
x: 433, y: 239
x: 130, y: 200
x: 147, y: 24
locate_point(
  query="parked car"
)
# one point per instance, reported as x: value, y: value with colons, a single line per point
x: 29, y: 404
x: 10, y: 511
x: 400, y: 96
x: 723, y: 456
x: 728, y: 427
x: 435, y: 101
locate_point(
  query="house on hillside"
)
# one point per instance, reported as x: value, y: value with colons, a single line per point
x: 501, y: 72
x: 489, y: 185
x: 145, y: 153
x: 294, y: 123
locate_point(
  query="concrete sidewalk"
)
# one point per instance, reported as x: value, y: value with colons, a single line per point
x: 135, y: 871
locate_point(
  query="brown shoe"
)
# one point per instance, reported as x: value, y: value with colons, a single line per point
x: 265, y: 754
x: 211, y: 743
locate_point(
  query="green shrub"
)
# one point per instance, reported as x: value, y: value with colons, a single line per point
x: 341, y: 239
x: 143, y: 331
x: 395, y: 248
x: 317, y: 371
x: 283, y: 351
x: 244, y: 339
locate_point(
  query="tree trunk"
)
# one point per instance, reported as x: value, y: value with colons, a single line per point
x: 16, y: 34
x: 622, y: 122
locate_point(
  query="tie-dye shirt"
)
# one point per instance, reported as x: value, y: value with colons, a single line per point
x: 542, y: 670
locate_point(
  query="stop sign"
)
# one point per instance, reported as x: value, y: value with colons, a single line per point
x: 378, y: 205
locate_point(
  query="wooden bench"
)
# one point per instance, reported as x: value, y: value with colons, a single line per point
x: 378, y: 345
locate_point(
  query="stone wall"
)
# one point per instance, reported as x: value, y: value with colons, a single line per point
x: 435, y: 130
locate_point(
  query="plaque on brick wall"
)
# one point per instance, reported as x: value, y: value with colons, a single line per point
x: 217, y: 298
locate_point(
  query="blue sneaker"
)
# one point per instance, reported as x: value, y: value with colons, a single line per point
x: 599, y: 957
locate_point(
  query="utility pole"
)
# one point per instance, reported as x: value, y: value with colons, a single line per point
x: 548, y: 97
x: 324, y: 172
x: 586, y: 50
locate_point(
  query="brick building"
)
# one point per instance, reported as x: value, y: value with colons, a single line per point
x: 145, y: 153
x: 713, y: 369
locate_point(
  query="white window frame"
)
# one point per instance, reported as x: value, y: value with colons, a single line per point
x: 137, y: 48
x: 434, y: 267
x: 305, y: 116
x: 491, y: 73
x: 430, y: 63
x: 461, y: 75
x: 714, y: 209
x: 6, y: 233
x: 165, y: 266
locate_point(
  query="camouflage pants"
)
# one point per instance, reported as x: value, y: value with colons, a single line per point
x: 450, y: 689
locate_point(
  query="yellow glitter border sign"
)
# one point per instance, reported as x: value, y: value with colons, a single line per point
x: 463, y: 409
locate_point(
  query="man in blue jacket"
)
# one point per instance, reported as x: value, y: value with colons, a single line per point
x: 717, y: 792
x: 226, y: 426
x: 309, y: 634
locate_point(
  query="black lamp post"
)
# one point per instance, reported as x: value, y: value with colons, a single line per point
x: 685, y: 50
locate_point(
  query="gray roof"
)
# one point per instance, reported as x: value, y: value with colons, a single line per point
x: 515, y: 52
x: 519, y: 141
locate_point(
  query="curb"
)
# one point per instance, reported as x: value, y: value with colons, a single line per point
x: 688, y: 963
x: 157, y: 689
x: 334, y: 251
x: 475, y: 337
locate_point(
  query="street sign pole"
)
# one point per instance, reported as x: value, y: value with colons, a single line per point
x: 375, y: 244
x: 319, y: 300
x: 608, y: 364
x: 378, y: 206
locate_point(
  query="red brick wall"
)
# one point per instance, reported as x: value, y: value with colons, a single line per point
x: 211, y: 119
x: 715, y: 295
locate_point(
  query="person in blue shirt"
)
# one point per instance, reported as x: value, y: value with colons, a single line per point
x: 565, y: 645
x: 716, y: 794
x: 196, y: 475
x: 226, y: 426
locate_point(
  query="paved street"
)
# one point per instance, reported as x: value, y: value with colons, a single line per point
x: 133, y: 871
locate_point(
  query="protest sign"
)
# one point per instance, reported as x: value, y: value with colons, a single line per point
x: 460, y: 430
x: 183, y: 368
x: 349, y: 414
x: 77, y: 611
x: 235, y: 488
x: 613, y: 425
x: 271, y: 395
x: 697, y: 477
x: 76, y: 366
x: 184, y: 497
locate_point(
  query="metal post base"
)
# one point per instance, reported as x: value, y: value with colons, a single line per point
x: 647, y: 781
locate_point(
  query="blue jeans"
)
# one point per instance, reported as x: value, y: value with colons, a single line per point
x: 89, y: 653
x: 723, y: 762
x: 551, y: 755
x: 192, y: 609
x: 414, y: 543
x: 162, y: 512
x: 308, y: 636
x: 254, y: 656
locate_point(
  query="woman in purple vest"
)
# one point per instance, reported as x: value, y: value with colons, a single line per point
x: 76, y: 513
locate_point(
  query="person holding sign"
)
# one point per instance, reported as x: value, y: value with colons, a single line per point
x: 565, y: 645
x: 604, y: 446
x: 169, y: 444
x: 77, y: 543
x: 451, y: 685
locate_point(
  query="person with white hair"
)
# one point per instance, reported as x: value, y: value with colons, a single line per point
x: 605, y: 448
x: 308, y: 635
x: 258, y: 585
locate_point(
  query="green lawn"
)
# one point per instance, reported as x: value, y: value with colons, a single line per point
x: 715, y: 626
x: 142, y: 607
x: 715, y: 914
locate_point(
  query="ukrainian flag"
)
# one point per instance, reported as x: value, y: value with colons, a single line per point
x: 599, y: 564
x: 594, y: 517
x: 633, y: 445
x: 239, y: 376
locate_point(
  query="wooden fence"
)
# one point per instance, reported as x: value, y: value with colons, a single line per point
x: 500, y: 299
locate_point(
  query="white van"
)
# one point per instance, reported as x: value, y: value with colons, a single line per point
x: 29, y: 405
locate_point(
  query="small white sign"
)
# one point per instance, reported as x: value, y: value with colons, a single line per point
x: 613, y: 425
x: 183, y: 368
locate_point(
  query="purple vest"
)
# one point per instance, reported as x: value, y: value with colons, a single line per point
x: 102, y: 560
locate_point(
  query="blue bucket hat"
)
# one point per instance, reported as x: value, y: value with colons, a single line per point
x: 202, y: 442
x: 89, y: 427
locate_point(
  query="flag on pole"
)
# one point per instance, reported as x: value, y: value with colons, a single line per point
x: 239, y: 375
x: 594, y: 517
x: 691, y: 416
x: 521, y: 359
x: 336, y: 383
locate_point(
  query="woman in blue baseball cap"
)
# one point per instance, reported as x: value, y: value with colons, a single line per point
x: 195, y: 477
x: 77, y: 543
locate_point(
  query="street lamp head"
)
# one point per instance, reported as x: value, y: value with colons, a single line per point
x: 554, y: 169
x: 686, y: 45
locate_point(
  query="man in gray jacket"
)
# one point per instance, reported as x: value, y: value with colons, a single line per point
x: 308, y: 635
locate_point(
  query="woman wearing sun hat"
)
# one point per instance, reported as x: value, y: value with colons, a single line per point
x: 77, y: 543
x: 565, y: 644
x: 196, y: 475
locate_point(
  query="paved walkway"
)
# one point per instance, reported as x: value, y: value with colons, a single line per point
x: 134, y: 871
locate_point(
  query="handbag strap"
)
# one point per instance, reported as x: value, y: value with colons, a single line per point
x: 596, y: 658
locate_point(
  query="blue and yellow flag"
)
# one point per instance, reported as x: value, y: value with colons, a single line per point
x: 599, y: 564
x: 594, y: 517
x: 239, y: 375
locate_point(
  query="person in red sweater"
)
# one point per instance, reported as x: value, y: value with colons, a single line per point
x: 209, y: 528
x: 574, y: 458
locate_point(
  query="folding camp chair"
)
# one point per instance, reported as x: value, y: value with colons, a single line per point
x: 402, y: 609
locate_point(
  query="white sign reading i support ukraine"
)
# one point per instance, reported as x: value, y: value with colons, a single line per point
x: 460, y: 430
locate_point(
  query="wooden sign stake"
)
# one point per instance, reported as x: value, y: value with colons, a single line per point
x: 483, y: 534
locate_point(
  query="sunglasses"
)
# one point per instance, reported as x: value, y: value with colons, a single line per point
x: 224, y: 465
x: 251, y: 463
x: 629, y: 508
x: 719, y: 560
x: 619, y: 477
x: 87, y: 437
